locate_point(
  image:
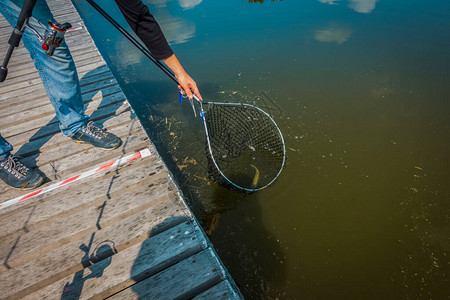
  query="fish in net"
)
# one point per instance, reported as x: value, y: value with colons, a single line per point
x: 245, y: 147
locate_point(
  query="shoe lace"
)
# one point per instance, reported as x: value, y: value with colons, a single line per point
x: 93, y: 130
x: 15, y: 165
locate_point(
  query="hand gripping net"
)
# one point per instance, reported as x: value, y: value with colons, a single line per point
x: 246, y: 147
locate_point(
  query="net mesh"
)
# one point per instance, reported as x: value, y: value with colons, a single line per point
x: 245, y: 144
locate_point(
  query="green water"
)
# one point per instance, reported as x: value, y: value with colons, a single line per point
x: 360, y: 90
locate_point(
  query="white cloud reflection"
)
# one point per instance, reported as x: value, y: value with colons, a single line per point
x: 188, y: 4
x: 333, y: 34
x: 176, y: 29
x: 331, y: 2
x: 363, y: 6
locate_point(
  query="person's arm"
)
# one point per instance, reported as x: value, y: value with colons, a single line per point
x: 147, y: 29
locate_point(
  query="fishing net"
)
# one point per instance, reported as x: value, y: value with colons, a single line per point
x: 246, y: 146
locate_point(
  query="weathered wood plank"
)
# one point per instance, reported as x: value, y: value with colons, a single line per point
x: 30, y: 96
x: 52, y: 122
x: 36, y: 83
x: 223, y: 290
x: 46, y: 208
x: 42, y: 111
x: 14, y: 109
x: 184, y: 280
x: 28, y: 74
x: 17, y: 251
x: 61, y: 141
x: 108, y: 121
x: 132, y: 265
x: 68, y: 259
x: 26, y: 65
x: 76, y: 159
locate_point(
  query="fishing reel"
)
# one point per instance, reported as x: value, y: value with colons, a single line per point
x: 53, y: 36
x: 52, y: 39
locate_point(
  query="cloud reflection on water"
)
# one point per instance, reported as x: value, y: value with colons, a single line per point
x: 361, y: 6
x: 176, y: 29
x: 188, y: 4
x: 331, y: 2
x: 333, y: 34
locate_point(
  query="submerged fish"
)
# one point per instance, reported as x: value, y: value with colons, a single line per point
x: 256, y: 177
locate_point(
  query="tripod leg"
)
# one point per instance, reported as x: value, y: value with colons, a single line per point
x: 16, y: 35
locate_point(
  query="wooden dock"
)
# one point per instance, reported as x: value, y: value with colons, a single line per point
x: 107, y: 223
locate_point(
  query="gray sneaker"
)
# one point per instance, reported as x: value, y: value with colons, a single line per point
x: 90, y: 134
x: 14, y: 173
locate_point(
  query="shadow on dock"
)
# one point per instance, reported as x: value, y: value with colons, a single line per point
x: 96, y: 263
x: 97, y: 259
x: 30, y: 151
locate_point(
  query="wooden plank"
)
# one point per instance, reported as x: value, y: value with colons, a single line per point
x: 41, y: 132
x: 60, y: 141
x: 26, y: 65
x: 69, y: 259
x: 74, y: 39
x: 223, y: 290
x: 31, y: 75
x: 42, y: 111
x: 75, y: 160
x: 30, y: 97
x: 46, y: 208
x: 14, y: 109
x: 52, y: 122
x: 125, y: 268
x: 36, y: 83
x: 60, y: 158
x: 22, y: 59
x: 184, y: 280
x: 17, y: 251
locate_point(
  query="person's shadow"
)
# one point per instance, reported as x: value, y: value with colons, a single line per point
x: 92, y: 83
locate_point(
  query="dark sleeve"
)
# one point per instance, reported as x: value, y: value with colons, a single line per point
x: 145, y: 26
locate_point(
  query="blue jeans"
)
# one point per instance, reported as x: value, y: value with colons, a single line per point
x: 58, y: 73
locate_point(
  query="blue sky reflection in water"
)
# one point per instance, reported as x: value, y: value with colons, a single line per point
x: 360, y: 91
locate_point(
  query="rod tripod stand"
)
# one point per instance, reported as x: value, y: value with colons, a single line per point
x: 52, y: 38
x: 16, y: 35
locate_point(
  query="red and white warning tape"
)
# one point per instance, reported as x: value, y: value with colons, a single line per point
x: 118, y: 162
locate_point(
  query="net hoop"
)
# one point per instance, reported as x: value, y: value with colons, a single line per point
x: 212, y: 155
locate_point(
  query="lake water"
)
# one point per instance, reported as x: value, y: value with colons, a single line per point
x: 360, y: 90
